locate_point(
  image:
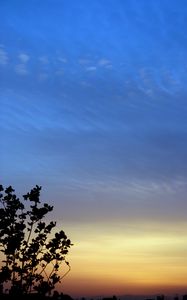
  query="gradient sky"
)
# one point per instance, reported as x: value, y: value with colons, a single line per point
x: 93, y: 108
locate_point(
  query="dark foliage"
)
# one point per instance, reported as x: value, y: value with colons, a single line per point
x: 32, y: 257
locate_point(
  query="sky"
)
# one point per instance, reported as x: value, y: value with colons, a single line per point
x: 93, y: 108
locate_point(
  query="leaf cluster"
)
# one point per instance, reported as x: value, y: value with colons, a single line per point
x: 31, y: 257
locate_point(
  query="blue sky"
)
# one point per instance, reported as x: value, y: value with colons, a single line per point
x: 93, y: 99
x: 93, y: 108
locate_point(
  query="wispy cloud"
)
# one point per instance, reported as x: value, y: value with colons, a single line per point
x: 44, y: 60
x: 104, y: 62
x: 84, y: 83
x: 24, y: 58
x: 91, y: 68
x: 63, y: 60
x: 59, y: 72
x: 21, y: 69
x: 3, y: 57
x: 84, y: 61
x: 43, y: 76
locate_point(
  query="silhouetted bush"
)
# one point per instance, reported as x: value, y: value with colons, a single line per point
x: 31, y: 256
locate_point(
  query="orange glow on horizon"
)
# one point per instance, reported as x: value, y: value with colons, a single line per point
x: 122, y: 260
x: 126, y: 261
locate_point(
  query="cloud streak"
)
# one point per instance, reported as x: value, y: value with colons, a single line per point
x: 93, y: 101
x: 3, y: 57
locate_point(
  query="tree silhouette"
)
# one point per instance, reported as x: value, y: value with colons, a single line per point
x: 32, y: 256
